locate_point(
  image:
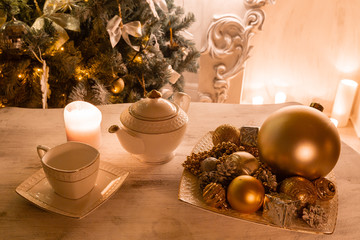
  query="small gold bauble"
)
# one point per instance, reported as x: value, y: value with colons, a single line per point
x: 245, y: 194
x: 214, y: 195
x: 247, y: 163
x: 226, y: 133
x: 325, y: 188
x: 299, y: 141
x: 118, y: 86
x: 299, y: 188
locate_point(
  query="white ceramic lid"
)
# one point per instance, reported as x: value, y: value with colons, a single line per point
x: 153, y: 114
x: 153, y: 107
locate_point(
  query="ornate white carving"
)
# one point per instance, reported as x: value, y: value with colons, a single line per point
x: 228, y: 35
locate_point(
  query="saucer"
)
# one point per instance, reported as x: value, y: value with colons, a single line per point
x: 37, y: 190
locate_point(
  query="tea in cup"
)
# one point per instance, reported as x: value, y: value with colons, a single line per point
x: 71, y: 168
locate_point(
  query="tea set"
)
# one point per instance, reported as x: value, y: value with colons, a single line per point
x: 149, y: 129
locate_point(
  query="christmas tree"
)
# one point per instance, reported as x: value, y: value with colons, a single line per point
x: 101, y: 51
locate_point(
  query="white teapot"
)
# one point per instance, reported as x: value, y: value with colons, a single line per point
x: 153, y: 127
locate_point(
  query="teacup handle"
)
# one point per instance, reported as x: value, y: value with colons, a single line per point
x: 41, y: 150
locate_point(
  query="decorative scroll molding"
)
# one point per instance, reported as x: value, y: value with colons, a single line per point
x: 228, y: 35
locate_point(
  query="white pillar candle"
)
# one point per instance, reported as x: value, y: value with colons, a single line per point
x: 82, y: 123
x: 343, y: 101
x: 280, y: 97
x: 257, y: 100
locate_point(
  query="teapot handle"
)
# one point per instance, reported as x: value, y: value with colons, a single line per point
x: 183, y: 100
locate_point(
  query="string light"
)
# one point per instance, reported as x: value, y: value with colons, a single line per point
x: 20, y: 75
x: 138, y: 59
x: 62, y: 49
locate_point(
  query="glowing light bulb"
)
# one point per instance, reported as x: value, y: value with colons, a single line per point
x: 62, y: 49
x: 20, y: 76
x: 138, y: 59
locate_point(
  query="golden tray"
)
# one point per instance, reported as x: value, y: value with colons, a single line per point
x: 190, y: 192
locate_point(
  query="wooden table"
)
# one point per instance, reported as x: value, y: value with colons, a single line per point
x: 147, y: 205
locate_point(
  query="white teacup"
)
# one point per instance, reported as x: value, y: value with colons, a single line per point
x: 71, y: 168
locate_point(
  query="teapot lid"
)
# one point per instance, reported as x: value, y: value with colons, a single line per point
x: 153, y: 107
x: 153, y: 115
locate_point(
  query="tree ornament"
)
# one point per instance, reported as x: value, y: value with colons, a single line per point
x: 226, y: 133
x: 299, y: 140
x: 315, y: 216
x: 325, y: 188
x: 174, y: 76
x: 59, y: 20
x: 161, y: 3
x: 12, y: 36
x: 214, y: 195
x: 248, y: 136
x: 117, y: 29
x: 280, y: 209
x: 117, y: 86
x: 246, y: 162
x: 208, y: 165
x: 245, y: 194
x: 299, y: 188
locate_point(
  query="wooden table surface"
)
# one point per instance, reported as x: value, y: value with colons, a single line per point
x: 147, y: 205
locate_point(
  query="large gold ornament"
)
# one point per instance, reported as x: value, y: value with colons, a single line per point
x: 245, y: 194
x: 299, y: 188
x: 299, y: 140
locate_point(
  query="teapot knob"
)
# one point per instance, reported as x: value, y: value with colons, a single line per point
x: 154, y: 94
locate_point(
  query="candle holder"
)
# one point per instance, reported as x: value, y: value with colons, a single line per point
x: 82, y: 123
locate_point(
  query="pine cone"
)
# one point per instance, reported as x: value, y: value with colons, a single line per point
x: 208, y: 177
x: 267, y: 178
x: 315, y: 216
x: 227, y: 171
